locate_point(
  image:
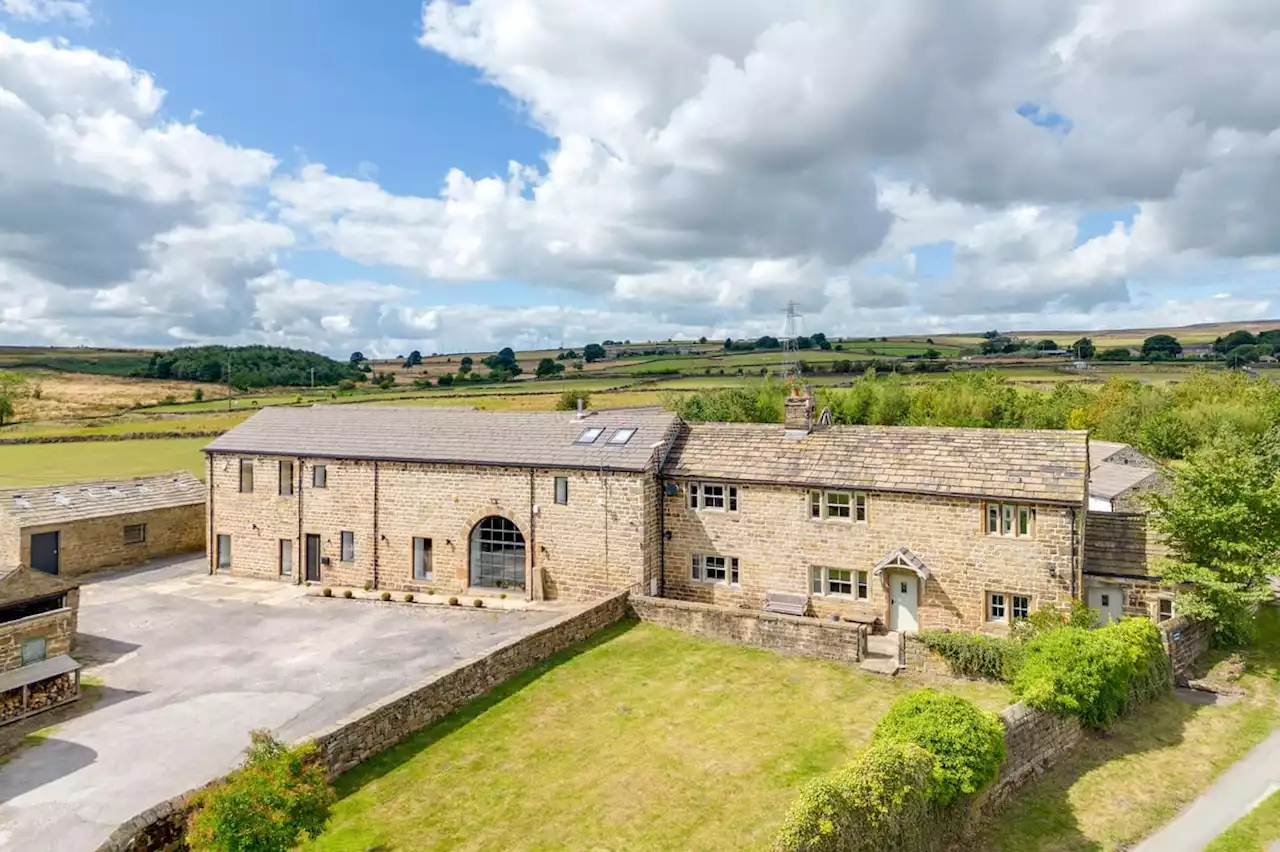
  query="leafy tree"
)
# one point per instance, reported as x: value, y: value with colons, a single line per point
x: 1235, y: 339
x: 13, y: 388
x: 250, y: 366
x: 356, y: 359
x: 803, y: 342
x: 1269, y: 338
x: 1244, y: 354
x: 414, y: 359
x: 728, y: 344
x: 593, y: 352
x: 385, y: 381
x: 568, y: 400
x: 548, y: 367
x: 1115, y: 353
x: 1084, y: 348
x: 197, y: 395
x: 702, y: 339
x: 1221, y: 521
x: 1161, y: 346
x: 768, y: 342
x: 279, y: 796
x: 445, y: 380
x: 932, y: 354
x: 1046, y: 345
x: 997, y: 345
x: 464, y: 366
x: 577, y: 365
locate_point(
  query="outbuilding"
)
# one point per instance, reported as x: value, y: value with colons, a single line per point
x: 37, y: 627
x: 81, y: 527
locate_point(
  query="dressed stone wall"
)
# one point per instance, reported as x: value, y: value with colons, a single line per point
x: 57, y: 628
x: 776, y: 543
x: 808, y: 637
x: 98, y: 543
x: 599, y: 542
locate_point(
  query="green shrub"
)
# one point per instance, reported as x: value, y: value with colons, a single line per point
x: 408, y: 598
x: 1076, y: 672
x: 327, y: 592
x: 974, y: 655
x: 478, y: 603
x: 346, y: 593
x: 453, y: 601
x: 368, y: 585
x: 880, y: 800
x: 278, y: 796
x: 1049, y: 618
x: 1151, y: 674
x: 967, y: 743
x: 386, y: 596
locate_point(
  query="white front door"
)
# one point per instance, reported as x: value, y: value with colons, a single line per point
x: 903, y: 597
x: 1106, y: 602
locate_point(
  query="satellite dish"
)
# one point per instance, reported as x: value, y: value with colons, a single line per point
x: 671, y: 488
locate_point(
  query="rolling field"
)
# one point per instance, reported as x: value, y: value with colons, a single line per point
x: 47, y: 464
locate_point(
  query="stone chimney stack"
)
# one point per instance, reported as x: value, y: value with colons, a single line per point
x: 797, y: 418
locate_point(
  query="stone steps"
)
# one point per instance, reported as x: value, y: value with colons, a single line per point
x: 882, y: 655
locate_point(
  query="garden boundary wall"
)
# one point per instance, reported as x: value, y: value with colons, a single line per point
x: 389, y: 721
x: 793, y: 634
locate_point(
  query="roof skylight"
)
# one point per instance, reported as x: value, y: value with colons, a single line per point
x: 589, y: 435
x: 622, y: 435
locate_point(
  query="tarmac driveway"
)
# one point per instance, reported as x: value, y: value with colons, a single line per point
x: 190, y: 664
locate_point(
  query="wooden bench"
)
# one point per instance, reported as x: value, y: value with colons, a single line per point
x: 786, y: 603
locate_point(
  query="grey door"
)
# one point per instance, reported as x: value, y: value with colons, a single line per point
x: 313, y: 558
x: 44, y: 552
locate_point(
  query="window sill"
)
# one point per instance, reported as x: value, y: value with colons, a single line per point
x: 724, y: 584
x: 840, y: 598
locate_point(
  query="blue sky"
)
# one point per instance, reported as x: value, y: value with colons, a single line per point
x: 700, y: 165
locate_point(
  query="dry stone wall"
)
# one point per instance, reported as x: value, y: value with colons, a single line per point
x: 1185, y: 641
x: 808, y: 637
x: 57, y: 628
x: 1033, y: 740
x: 388, y: 722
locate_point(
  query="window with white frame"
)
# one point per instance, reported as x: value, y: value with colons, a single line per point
x: 713, y: 496
x: 839, y: 581
x: 1009, y: 519
x: 421, y: 558
x: 1164, y: 609
x: 714, y: 569
x: 1019, y: 607
x: 348, y: 546
x: 838, y: 505
x: 562, y: 490
x: 996, y: 607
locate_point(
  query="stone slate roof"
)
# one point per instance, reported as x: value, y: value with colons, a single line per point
x: 453, y: 436
x: 1041, y: 466
x: 20, y: 583
x: 78, y: 501
x: 1109, y: 480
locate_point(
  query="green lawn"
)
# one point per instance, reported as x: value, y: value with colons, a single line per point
x: 641, y: 738
x: 1253, y: 833
x: 1117, y: 789
x: 47, y: 464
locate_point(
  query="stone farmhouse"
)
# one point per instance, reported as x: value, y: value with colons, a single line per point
x: 88, y: 526
x: 910, y: 528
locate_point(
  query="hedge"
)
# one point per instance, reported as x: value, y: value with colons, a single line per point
x: 1076, y: 672
x: 879, y: 801
x: 1152, y: 673
x: 966, y: 742
x: 974, y: 655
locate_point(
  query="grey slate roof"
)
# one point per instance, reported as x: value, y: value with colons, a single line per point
x: 1109, y: 480
x: 77, y: 501
x: 19, y: 583
x: 1035, y: 465
x: 453, y: 436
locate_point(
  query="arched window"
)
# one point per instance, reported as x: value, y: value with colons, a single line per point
x: 497, y: 554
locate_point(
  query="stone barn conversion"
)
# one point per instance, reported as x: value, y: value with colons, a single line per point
x: 540, y: 504
x: 903, y: 528
x: 82, y: 527
x: 38, y: 614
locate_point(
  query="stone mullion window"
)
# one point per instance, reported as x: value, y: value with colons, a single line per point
x: 1010, y: 520
x: 718, y: 570
x: 826, y: 505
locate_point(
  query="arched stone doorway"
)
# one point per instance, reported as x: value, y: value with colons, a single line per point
x: 497, y: 554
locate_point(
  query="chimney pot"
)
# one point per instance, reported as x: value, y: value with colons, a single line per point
x: 797, y: 418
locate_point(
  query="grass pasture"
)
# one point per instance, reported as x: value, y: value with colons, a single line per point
x: 641, y: 738
x: 48, y: 464
x: 67, y: 395
x: 79, y: 359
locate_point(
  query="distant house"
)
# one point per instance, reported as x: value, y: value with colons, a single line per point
x: 1118, y: 475
x: 38, y: 614
x: 87, y: 526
